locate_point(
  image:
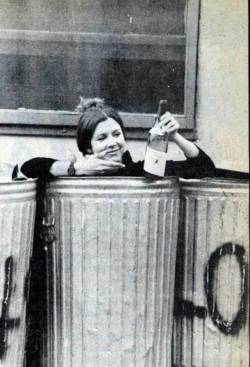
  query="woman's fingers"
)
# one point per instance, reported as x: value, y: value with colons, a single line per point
x: 165, y: 119
x: 171, y: 129
x: 92, y: 165
x: 98, y: 164
x: 168, y: 123
x: 111, y: 166
x: 166, y: 115
x: 100, y: 155
x: 164, y: 122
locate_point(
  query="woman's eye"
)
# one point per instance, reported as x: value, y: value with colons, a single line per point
x: 101, y: 137
x: 117, y: 133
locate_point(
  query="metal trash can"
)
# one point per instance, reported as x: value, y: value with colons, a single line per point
x: 211, y: 305
x: 111, y: 249
x: 17, y: 214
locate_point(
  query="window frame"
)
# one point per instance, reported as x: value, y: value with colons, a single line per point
x: 63, y: 123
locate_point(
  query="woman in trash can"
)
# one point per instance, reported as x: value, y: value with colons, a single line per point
x: 101, y: 140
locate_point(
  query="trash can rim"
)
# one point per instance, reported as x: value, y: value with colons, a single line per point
x: 214, y: 182
x: 18, y: 182
x: 115, y: 181
x: 13, y: 189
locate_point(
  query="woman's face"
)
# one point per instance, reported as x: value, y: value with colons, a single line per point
x: 108, y: 138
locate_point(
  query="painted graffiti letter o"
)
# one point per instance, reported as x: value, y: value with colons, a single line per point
x: 225, y: 326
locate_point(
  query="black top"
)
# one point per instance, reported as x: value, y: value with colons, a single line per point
x: 198, y: 167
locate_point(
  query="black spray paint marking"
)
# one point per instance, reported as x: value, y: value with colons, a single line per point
x: 225, y: 326
x: 26, y: 287
x: 7, y: 323
x: 188, y: 309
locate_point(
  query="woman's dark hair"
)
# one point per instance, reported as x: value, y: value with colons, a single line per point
x: 93, y: 111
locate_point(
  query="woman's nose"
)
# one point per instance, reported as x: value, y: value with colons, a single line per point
x: 111, y: 141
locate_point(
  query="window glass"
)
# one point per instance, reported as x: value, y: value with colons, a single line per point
x: 118, y: 16
x: 130, y: 53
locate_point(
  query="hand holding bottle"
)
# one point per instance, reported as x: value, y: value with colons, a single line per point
x: 157, y: 146
x: 169, y: 125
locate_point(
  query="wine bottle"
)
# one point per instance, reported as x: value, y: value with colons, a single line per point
x: 157, y: 146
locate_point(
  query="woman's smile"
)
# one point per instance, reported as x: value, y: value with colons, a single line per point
x: 113, y: 151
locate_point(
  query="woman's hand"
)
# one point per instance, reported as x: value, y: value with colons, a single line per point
x: 95, y: 164
x: 169, y: 125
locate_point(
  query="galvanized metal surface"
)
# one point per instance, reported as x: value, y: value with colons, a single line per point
x: 211, y: 311
x: 111, y: 272
x: 17, y: 214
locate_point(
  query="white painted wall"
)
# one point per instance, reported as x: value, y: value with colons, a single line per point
x: 222, y: 98
x: 222, y: 95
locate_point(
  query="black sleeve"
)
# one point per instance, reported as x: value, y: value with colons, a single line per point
x: 38, y: 168
x: 198, y: 167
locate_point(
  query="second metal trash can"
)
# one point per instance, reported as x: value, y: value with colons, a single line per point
x: 17, y: 216
x: 211, y: 306
x: 111, y: 265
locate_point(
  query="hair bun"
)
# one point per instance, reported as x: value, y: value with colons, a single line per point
x: 86, y: 103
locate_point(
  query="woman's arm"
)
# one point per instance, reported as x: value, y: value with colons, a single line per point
x: 38, y: 167
x: 189, y: 149
x: 196, y: 167
x: 197, y: 164
x: 45, y: 167
x: 48, y: 167
x: 59, y: 168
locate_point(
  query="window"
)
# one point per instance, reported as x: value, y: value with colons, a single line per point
x: 131, y: 53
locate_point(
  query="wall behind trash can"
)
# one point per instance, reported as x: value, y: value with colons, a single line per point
x: 222, y: 98
x: 222, y: 95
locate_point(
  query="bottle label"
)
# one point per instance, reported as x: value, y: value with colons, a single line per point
x: 155, y: 162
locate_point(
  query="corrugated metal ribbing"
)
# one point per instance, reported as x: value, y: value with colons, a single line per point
x: 17, y: 214
x: 112, y: 268
x: 211, y: 308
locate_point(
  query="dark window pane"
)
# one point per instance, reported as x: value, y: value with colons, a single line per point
x: 132, y: 68
x: 33, y: 82
x: 137, y: 86
x: 56, y: 83
x: 119, y: 16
